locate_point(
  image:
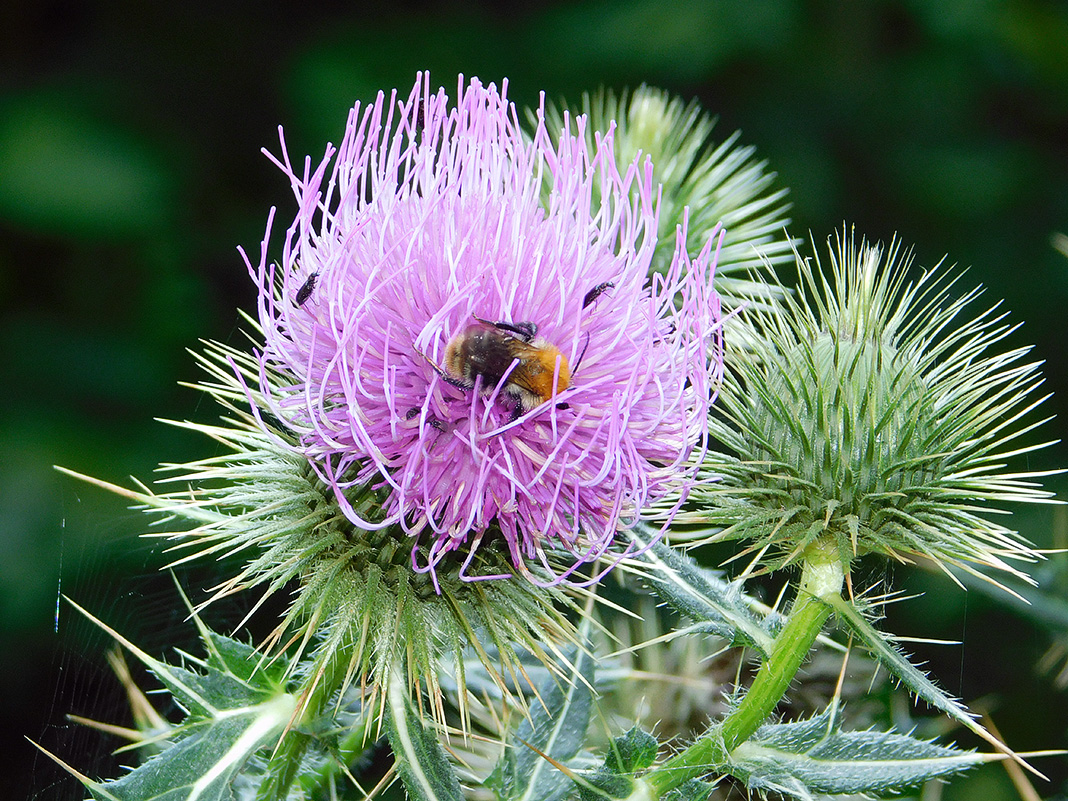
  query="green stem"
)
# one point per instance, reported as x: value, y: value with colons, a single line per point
x: 822, y: 577
x: 779, y: 669
x: 285, y: 762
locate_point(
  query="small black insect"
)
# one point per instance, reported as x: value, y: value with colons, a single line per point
x: 432, y: 421
x: 306, y: 289
x: 596, y: 292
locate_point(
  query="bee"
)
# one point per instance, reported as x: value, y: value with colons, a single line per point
x: 487, y: 350
x: 306, y: 289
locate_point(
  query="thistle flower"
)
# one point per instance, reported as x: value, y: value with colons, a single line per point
x: 376, y: 468
x: 718, y: 183
x: 488, y: 365
x: 870, y: 417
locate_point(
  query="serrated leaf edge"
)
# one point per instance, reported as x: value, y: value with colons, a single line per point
x: 405, y: 737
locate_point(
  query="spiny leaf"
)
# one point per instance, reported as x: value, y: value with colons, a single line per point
x: 245, y: 663
x: 911, y: 676
x: 693, y: 790
x: 703, y: 596
x: 603, y: 785
x: 556, y: 728
x: 201, y: 765
x: 188, y: 689
x: 632, y: 752
x: 236, y: 659
x: 230, y: 717
x: 421, y: 761
x: 813, y: 756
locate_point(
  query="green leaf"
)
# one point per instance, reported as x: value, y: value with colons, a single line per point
x: 421, y: 761
x: 229, y: 718
x: 634, y: 751
x: 244, y: 662
x: 693, y: 790
x: 704, y: 596
x: 556, y: 728
x: 202, y: 764
x: 202, y: 695
x: 606, y: 785
x: 909, y: 675
x: 630, y: 753
x: 814, y: 756
x: 236, y: 659
x: 210, y: 694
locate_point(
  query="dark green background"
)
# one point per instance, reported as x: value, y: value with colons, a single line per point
x: 130, y: 169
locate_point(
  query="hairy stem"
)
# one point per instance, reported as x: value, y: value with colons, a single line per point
x: 822, y: 577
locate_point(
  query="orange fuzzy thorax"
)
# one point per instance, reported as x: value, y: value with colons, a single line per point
x: 535, y: 372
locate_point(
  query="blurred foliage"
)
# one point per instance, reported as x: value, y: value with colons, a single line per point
x: 130, y: 169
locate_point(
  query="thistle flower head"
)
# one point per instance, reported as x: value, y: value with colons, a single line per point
x: 871, y: 413
x: 718, y: 183
x: 458, y: 379
x: 488, y: 364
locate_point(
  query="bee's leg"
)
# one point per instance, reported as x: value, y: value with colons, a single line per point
x: 459, y: 383
x: 517, y: 406
x: 578, y: 361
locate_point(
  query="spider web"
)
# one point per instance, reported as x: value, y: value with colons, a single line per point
x: 95, y: 557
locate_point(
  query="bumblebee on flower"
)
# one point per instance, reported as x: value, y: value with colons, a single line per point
x: 478, y: 360
x: 485, y: 359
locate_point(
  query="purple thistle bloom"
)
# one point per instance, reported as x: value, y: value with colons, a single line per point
x: 435, y: 220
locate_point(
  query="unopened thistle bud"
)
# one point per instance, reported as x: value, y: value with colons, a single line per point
x: 715, y: 184
x: 872, y: 414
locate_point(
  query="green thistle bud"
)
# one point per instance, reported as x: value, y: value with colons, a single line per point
x: 713, y: 183
x: 868, y: 415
